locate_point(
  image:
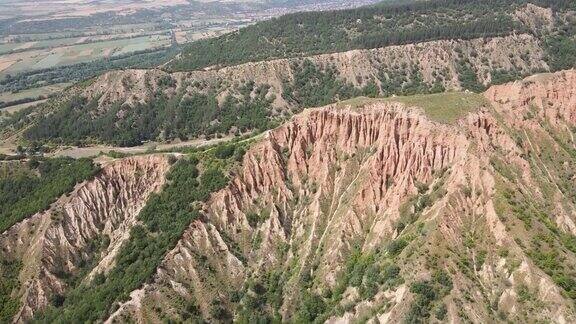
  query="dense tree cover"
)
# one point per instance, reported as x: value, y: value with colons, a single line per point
x: 402, y: 81
x: 562, y: 51
x: 314, y: 86
x: 201, y: 114
x: 28, y: 189
x: 164, y: 219
x: 468, y: 78
x: 368, y: 27
x: 177, y: 117
x: 9, y: 270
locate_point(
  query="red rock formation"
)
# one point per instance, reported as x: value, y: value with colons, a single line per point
x: 333, y: 177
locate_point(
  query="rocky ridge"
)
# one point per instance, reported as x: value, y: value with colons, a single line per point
x: 469, y: 198
x: 435, y: 62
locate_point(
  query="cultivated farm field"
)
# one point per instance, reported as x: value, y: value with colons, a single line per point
x: 72, y: 54
x: 33, y: 92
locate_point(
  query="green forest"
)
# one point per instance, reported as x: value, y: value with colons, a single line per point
x: 168, y: 118
x: 29, y: 187
x: 310, y: 33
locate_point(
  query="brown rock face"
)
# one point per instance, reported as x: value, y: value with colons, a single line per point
x: 328, y: 177
x: 334, y: 179
x: 354, y: 67
x: 55, y: 243
x: 552, y: 96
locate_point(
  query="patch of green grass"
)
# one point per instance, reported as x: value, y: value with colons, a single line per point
x: 446, y: 107
x: 33, y: 93
x: 357, y: 102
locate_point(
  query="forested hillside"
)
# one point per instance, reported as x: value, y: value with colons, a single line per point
x: 369, y: 27
x: 29, y: 188
x: 126, y: 108
x: 448, y: 45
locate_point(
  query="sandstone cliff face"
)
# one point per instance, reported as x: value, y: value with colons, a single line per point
x: 326, y: 178
x: 334, y: 179
x: 436, y: 62
x: 552, y: 96
x: 56, y: 243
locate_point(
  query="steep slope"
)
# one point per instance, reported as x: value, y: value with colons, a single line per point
x: 152, y: 104
x: 425, y: 63
x: 402, y: 22
x: 365, y: 209
x: 81, y: 231
x: 338, y: 164
x: 376, y: 212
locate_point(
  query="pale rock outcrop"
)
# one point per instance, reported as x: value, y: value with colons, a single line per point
x: 521, y: 53
x: 536, y: 18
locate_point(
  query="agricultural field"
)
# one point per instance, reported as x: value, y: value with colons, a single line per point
x: 5, y: 112
x: 38, y: 92
x: 187, y: 36
x: 25, y: 42
x: 73, y: 8
x: 72, y: 54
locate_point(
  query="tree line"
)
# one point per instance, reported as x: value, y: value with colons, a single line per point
x: 310, y: 33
